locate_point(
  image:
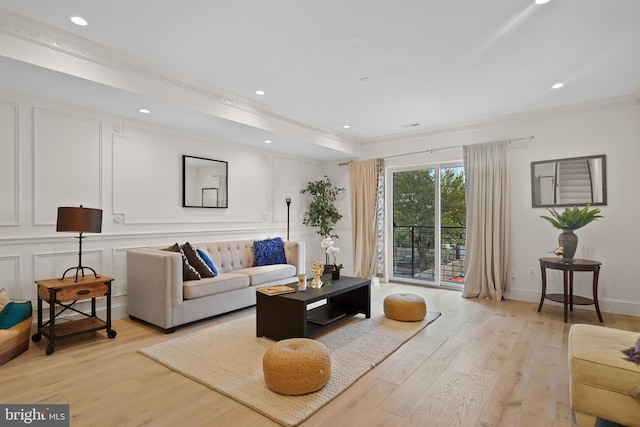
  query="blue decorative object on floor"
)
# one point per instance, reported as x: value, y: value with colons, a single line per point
x: 269, y: 252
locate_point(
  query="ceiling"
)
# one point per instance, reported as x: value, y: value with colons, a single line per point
x: 384, y: 68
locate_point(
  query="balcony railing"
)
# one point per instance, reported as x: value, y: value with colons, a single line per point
x: 414, y: 252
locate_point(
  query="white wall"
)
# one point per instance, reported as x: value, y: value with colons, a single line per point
x: 610, y: 127
x: 53, y: 155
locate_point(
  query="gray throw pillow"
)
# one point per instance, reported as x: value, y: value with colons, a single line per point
x: 196, y: 260
x: 188, y: 272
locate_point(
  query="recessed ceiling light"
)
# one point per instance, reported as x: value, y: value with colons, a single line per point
x: 542, y: 1
x: 79, y: 21
x: 557, y: 86
x: 144, y: 110
x: 259, y: 92
x: 267, y: 141
x: 346, y: 126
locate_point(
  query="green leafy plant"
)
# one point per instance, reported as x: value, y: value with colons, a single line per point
x: 572, y: 219
x: 321, y: 212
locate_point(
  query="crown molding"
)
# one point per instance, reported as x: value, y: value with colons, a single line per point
x: 44, y: 35
x: 601, y: 104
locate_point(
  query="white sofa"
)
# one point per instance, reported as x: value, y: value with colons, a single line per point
x: 157, y: 293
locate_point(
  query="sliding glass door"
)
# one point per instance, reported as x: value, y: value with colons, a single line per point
x: 428, y: 214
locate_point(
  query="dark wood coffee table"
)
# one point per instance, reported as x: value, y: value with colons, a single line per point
x: 288, y: 316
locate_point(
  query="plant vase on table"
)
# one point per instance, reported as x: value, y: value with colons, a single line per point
x: 330, y: 250
x: 567, y: 221
x: 323, y: 215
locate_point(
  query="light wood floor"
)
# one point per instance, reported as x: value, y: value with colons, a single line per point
x: 482, y: 363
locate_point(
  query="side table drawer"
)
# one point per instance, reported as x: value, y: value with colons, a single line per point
x: 78, y: 292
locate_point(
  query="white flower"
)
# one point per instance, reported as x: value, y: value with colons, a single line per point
x: 326, y: 242
x: 330, y: 248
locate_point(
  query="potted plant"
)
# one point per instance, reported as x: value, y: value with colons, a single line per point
x: 321, y: 212
x: 567, y: 221
x: 330, y: 250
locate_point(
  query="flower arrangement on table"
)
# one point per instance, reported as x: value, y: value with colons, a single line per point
x: 330, y: 250
x: 567, y: 221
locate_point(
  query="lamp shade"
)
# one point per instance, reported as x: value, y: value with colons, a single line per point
x: 79, y: 219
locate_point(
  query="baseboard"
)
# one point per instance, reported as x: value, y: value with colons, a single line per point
x: 606, y: 305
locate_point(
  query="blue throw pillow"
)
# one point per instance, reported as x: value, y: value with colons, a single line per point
x: 269, y: 252
x: 14, y: 313
x: 207, y: 260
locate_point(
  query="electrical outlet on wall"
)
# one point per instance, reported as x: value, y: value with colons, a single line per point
x: 532, y: 271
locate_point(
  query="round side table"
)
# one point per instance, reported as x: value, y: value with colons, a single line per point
x: 568, y: 267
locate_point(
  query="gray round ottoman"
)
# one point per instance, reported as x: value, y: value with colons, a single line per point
x: 405, y: 307
x: 296, y: 366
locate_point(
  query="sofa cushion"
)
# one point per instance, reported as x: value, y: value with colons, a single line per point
x: 226, y: 282
x: 207, y: 259
x: 14, y: 313
x: 602, y: 382
x: 596, y: 359
x: 188, y: 272
x: 230, y: 255
x: 196, y: 261
x: 268, y: 273
x: 269, y: 252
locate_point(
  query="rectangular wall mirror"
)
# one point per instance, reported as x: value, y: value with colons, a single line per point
x: 569, y: 182
x: 204, y: 183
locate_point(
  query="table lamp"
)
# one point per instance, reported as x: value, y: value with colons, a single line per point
x: 79, y: 220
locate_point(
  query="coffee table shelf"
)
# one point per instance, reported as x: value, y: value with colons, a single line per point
x: 289, y: 316
x: 326, y: 314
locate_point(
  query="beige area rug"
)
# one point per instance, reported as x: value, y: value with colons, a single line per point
x: 228, y: 358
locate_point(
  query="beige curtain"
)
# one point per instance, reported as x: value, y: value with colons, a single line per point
x: 363, y: 177
x: 486, y: 168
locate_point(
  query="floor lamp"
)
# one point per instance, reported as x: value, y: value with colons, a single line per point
x: 288, y: 200
x: 79, y: 220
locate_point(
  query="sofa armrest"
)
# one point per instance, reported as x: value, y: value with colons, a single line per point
x: 294, y: 253
x: 154, y: 285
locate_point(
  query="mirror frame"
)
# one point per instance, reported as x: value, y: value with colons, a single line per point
x: 217, y: 185
x: 603, y: 182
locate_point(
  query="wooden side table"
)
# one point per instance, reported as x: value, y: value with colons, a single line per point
x: 568, y: 267
x: 65, y: 293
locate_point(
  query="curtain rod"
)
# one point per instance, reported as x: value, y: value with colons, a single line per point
x: 434, y: 150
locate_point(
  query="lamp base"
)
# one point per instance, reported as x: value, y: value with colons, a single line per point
x: 78, y: 269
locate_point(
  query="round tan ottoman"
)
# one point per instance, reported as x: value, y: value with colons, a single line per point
x: 405, y: 307
x: 296, y: 366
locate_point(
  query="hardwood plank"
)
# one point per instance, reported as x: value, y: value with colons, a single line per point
x: 483, y: 363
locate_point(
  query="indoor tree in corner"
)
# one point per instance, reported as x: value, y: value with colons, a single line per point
x: 321, y: 212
